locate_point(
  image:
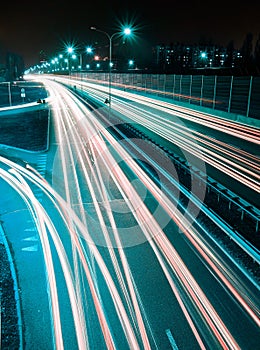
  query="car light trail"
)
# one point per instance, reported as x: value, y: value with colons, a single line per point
x: 87, y: 156
x: 77, y: 141
x: 235, y: 162
x: 185, y: 226
x: 63, y: 161
x: 69, y: 215
x: 154, y: 232
x: 17, y: 182
x: 119, y: 182
x: 240, y: 130
x: 244, y: 172
x: 245, y: 132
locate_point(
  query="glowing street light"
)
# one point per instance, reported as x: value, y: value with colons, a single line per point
x: 204, y: 56
x: 89, y: 50
x: 131, y: 64
x: 70, y: 49
x: 67, y: 63
x: 127, y: 31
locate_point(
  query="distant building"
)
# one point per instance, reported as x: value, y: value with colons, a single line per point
x: 42, y: 57
x: 2, y: 65
x: 180, y: 58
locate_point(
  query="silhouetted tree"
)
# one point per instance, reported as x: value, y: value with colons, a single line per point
x: 247, y: 54
x: 257, y: 55
x: 230, y: 54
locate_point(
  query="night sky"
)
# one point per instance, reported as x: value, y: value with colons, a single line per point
x: 27, y: 27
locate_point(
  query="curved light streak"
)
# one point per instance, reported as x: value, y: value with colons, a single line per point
x: 155, y: 236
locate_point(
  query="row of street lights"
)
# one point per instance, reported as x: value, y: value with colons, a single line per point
x: 127, y: 31
x: 71, y: 54
x: 70, y: 51
x: 70, y: 62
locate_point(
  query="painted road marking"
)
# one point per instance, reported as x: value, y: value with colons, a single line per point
x: 171, y: 339
x: 30, y: 229
x: 32, y: 238
x: 32, y: 248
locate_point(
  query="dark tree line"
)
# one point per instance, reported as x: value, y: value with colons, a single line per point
x: 250, y: 56
x: 11, y: 66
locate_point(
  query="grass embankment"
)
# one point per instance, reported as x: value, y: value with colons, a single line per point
x: 28, y: 131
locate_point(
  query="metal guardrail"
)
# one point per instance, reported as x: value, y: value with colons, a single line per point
x: 232, y: 94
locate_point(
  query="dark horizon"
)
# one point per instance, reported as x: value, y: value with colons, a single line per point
x: 26, y: 29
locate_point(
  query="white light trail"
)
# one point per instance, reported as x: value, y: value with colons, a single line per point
x: 83, y: 143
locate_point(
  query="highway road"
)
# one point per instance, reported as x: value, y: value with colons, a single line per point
x: 109, y: 254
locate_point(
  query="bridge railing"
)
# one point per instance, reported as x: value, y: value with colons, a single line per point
x: 232, y: 94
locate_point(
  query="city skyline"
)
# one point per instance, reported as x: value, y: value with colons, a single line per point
x: 27, y: 28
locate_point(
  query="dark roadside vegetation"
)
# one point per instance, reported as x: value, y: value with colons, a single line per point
x: 27, y: 131
x: 9, y: 320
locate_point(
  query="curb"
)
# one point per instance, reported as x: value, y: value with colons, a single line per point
x: 15, y: 281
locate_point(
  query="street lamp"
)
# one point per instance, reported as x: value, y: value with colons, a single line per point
x: 74, y: 57
x: 67, y: 63
x: 70, y: 51
x: 61, y: 57
x: 204, y: 58
x: 131, y: 64
x: 89, y: 52
x: 89, y: 49
x: 126, y: 31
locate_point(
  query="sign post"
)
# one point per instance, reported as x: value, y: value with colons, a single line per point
x: 23, y: 93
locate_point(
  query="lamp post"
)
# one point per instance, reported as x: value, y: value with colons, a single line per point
x: 204, y: 57
x: 89, y: 51
x: 74, y: 57
x: 80, y: 61
x: 126, y: 31
x: 70, y: 51
x: 130, y: 64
